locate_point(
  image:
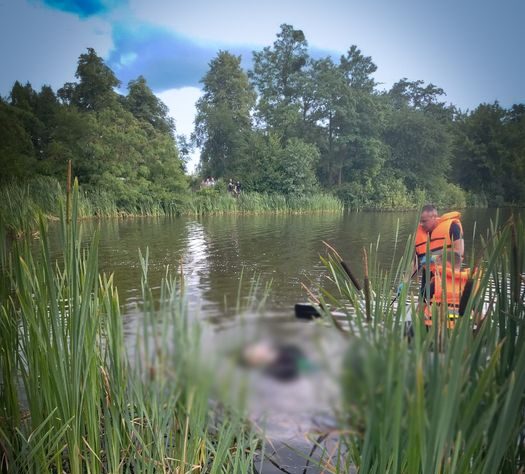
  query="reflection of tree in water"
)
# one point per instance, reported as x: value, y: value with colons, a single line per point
x: 120, y: 241
x: 277, y: 248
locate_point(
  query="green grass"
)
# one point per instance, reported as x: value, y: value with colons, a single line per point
x: 71, y: 397
x: 449, y: 400
x: 212, y: 202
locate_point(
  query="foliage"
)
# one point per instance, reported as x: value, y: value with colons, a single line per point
x: 147, y: 107
x: 490, y: 153
x: 297, y: 168
x: 210, y: 202
x: 122, y: 148
x: 249, y: 125
x: 223, y: 118
x: 383, y: 193
x: 17, y: 155
x: 94, y: 91
x: 278, y: 75
x: 420, y: 148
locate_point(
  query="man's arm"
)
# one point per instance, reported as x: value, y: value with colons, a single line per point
x: 457, y: 238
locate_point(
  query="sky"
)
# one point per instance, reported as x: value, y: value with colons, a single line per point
x: 473, y: 49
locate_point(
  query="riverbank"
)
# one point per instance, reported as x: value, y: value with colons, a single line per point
x: 21, y: 205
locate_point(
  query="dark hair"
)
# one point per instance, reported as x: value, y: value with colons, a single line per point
x: 429, y: 208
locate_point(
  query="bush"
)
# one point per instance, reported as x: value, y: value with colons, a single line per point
x: 447, y: 195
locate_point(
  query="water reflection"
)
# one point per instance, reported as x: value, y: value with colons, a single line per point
x: 216, y: 250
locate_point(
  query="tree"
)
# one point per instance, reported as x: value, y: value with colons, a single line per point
x: 278, y: 74
x: 223, y: 122
x: 416, y: 95
x: 329, y: 87
x: 146, y: 106
x: 489, y: 153
x: 17, y: 156
x: 23, y: 97
x: 358, y: 69
x: 420, y: 148
x: 25, y: 100
x: 298, y: 161
x: 94, y: 91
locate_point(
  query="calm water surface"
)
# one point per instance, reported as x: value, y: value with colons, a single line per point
x: 284, y: 250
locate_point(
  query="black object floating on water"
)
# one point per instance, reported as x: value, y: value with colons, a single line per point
x: 306, y: 311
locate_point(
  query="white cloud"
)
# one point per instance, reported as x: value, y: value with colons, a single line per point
x: 181, y: 105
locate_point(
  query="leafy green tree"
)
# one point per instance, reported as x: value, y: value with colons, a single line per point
x: 298, y: 161
x: 23, y: 97
x: 95, y: 89
x: 489, y: 157
x: 28, y: 104
x: 420, y: 148
x: 17, y: 155
x: 328, y: 85
x: 223, y: 122
x: 146, y: 106
x: 270, y: 168
x: 349, y: 117
x: 358, y: 70
x: 417, y: 95
x: 259, y: 167
x: 278, y: 74
x: 359, y: 150
x: 514, y: 141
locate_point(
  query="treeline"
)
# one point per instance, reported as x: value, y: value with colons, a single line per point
x: 291, y: 125
x: 122, y: 147
x: 294, y: 122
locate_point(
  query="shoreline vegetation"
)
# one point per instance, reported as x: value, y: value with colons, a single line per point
x: 75, y: 398
x: 442, y: 399
x: 21, y: 204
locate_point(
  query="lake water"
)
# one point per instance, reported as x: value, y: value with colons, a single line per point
x: 282, y: 250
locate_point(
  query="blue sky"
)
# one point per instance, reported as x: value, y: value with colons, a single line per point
x: 473, y: 49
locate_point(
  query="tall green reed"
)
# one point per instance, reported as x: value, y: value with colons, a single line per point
x: 73, y: 399
x: 445, y: 400
x: 21, y: 204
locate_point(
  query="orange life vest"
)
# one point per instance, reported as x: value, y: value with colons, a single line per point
x: 449, y: 284
x: 447, y: 281
x: 440, y: 236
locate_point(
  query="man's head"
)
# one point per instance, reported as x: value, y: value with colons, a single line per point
x: 429, y: 218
